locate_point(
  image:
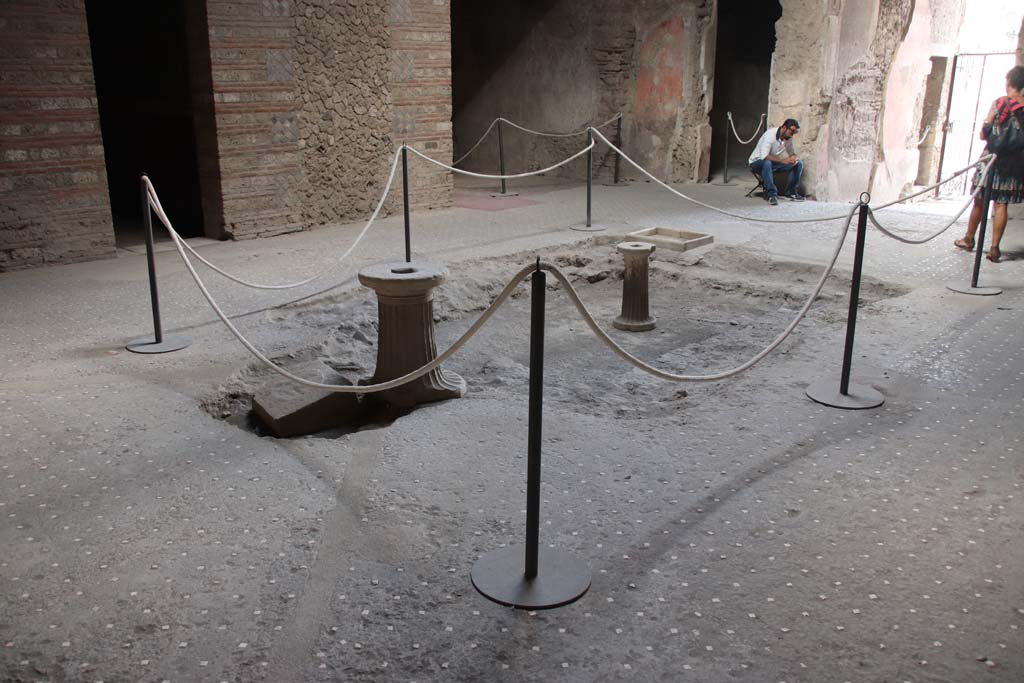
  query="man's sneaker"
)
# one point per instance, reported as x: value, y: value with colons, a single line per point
x: 795, y: 197
x: 773, y: 200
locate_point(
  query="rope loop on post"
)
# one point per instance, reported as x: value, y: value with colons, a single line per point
x: 865, y: 197
x: 746, y: 217
x: 491, y: 176
x: 927, y: 129
x: 762, y: 121
x: 154, y: 202
x: 531, y: 131
x: 984, y: 166
x: 502, y: 297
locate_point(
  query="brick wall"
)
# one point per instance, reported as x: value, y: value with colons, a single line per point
x: 298, y: 108
x: 311, y: 97
x: 53, y: 191
x: 253, y: 80
x: 421, y: 84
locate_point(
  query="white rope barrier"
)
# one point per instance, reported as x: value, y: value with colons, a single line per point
x: 499, y: 177
x: 757, y: 130
x: 497, y: 303
x: 633, y: 360
x: 927, y: 129
x: 473, y: 148
x: 529, y: 130
x: 986, y: 159
x: 352, y: 389
x: 562, y: 135
x: 906, y: 240
x: 676, y: 192
x: 154, y: 202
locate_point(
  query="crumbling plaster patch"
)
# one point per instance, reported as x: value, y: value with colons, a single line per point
x: 830, y: 70
x: 606, y: 44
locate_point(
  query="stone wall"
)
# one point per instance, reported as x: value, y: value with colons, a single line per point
x: 311, y: 99
x: 53, y: 188
x: 855, y: 75
x: 577, y: 63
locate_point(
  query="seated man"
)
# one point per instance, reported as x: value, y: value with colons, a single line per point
x: 775, y: 152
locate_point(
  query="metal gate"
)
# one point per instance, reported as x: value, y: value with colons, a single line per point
x: 977, y: 80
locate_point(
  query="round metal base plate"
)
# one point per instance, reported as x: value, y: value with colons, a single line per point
x: 499, y: 195
x: 148, y: 344
x: 561, y: 578
x: 859, y: 397
x: 977, y: 291
x: 584, y: 228
x: 729, y: 184
x: 621, y: 183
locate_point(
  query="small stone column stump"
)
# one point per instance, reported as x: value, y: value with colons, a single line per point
x: 635, y: 315
x: 405, y: 312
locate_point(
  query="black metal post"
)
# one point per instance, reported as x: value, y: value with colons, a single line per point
x: 618, y: 143
x: 536, y: 411
x: 158, y: 343
x: 147, y: 224
x: 845, y: 395
x: 405, y: 203
x: 986, y: 200
x: 501, y: 156
x: 725, y: 159
x: 851, y: 320
x: 590, y: 170
x: 532, y: 577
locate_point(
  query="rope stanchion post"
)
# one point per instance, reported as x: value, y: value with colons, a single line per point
x: 725, y: 159
x: 850, y: 397
x: 532, y: 578
x: 973, y: 288
x: 405, y: 203
x: 501, y: 157
x: 618, y: 143
x: 590, y: 172
x: 589, y: 226
x: 501, y: 163
x: 158, y: 343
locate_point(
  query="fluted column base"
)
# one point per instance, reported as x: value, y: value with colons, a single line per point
x: 635, y: 316
x: 405, y: 309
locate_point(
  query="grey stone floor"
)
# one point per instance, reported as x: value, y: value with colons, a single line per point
x: 759, y: 537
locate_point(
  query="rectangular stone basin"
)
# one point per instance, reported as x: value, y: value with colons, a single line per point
x: 668, y: 238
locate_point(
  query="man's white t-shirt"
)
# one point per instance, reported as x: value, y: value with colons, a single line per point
x: 771, y: 145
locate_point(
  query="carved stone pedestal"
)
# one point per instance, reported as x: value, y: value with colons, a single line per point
x: 405, y: 309
x: 635, y: 315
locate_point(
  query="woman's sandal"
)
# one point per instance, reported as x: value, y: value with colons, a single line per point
x: 994, y: 254
x: 964, y: 243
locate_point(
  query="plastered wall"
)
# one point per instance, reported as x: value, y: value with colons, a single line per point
x: 855, y: 75
x: 577, y: 63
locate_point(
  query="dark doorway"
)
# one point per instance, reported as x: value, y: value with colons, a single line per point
x: 141, y: 67
x: 485, y: 37
x: 743, y: 63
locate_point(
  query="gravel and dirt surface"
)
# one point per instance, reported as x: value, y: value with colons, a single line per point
x: 735, y: 530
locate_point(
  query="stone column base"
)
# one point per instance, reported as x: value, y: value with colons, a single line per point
x: 635, y: 316
x: 405, y: 308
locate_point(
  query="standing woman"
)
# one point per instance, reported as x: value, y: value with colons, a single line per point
x: 1008, y: 169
